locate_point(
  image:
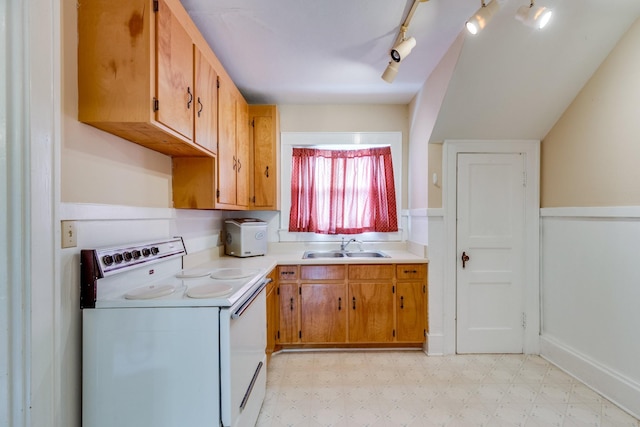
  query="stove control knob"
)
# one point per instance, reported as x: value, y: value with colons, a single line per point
x: 127, y: 256
x: 107, y: 259
x: 136, y: 254
x: 154, y: 250
x: 146, y: 252
x: 117, y: 258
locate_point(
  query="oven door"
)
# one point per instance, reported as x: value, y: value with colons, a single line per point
x: 243, y: 369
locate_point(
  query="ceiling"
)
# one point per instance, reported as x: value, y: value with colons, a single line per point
x: 334, y: 51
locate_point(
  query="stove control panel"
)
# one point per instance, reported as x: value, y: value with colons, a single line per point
x: 118, y: 259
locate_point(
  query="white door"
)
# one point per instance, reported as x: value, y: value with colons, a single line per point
x: 490, y: 248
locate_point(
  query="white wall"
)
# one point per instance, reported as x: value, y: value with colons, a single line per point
x: 590, y: 297
x: 589, y: 275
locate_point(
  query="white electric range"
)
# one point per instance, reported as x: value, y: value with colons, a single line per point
x: 168, y: 347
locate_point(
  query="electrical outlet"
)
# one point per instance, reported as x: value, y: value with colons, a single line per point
x: 69, y: 237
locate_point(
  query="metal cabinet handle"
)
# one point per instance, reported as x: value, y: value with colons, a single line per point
x: 464, y: 258
x: 354, y: 303
x: 402, y: 302
x: 291, y: 303
x: 235, y: 163
x: 239, y: 165
x: 410, y: 271
x: 266, y: 172
x: 201, y: 107
x: 190, y: 98
x: 339, y: 303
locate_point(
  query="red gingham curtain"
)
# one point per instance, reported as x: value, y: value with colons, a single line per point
x: 342, y: 191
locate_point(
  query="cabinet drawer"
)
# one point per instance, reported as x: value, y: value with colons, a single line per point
x: 323, y: 272
x: 287, y: 272
x: 371, y: 271
x: 411, y: 271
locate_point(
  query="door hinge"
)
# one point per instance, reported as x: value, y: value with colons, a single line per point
x: 156, y: 6
x: 393, y: 289
x: 278, y: 291
x: 218, y: 193
x: 278, y: 334
x: 299, y: 291
x: 300, y: 334
x: 424, y: 332
x: 424, y: 289
x: 394, y: 333
x: 253, y: 123
x: 524, y: 320
x: 156, y: 104
x: 218, y: 82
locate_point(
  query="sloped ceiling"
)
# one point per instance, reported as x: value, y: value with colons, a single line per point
x: 513, y: 82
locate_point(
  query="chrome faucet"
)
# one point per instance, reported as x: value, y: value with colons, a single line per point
x: 343, y: 245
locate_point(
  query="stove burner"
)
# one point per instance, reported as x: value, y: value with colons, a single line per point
x: 150, y: 292
x: 210, y: 290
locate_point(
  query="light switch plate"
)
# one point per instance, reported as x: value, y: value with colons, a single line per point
x: 69, y: 237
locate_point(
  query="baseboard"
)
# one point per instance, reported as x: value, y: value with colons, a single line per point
x: 622, y: 391
x: 435, y: 344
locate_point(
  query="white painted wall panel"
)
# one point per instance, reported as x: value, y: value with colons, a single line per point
x: 590, y: 291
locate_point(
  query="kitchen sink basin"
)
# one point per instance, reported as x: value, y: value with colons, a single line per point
x: 367, y: 254
x: 343, y: 254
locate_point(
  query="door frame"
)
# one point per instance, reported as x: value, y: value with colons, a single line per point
x: 531, y: 150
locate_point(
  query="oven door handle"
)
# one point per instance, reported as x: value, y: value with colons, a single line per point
x: 245, y: 399
x: 245, y: 305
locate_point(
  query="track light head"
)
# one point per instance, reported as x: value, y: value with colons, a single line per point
x: 482, y: 16
x: 534, y: 17
x: 403, y: 49
x: 391, y: 72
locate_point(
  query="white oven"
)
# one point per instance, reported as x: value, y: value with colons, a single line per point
x: 166, y: 347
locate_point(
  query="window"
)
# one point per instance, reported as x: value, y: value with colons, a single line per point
x: 342, y: 191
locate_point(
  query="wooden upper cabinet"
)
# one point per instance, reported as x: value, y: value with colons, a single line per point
x: 233, y: 148
x: 174, y: 68
x: 265, y: 137
x: 227, y: 161
x: 206, y: 103
x: 136, y: 73
x: 242, y: 152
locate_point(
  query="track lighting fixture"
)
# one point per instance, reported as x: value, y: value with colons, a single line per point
x: 532, y: 16
x: 482, y: 16
x: 391, y: 72
x: 403, y: 49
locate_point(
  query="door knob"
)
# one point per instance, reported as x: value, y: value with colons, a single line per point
x: 464, y: 258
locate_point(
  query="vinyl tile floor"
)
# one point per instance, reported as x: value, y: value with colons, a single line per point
x: 408, y: 388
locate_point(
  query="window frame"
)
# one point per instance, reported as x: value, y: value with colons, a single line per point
x: 349, y: 140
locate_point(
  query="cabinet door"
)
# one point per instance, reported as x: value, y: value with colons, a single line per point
x: 242, y: 152
x: 227, y: 161
x: 411, y: 309
x: 272, y: 313
x: 289, y: 329
x: 264, y: 161
x: 322, y: 313
x: 174, y: 70
x: 371, y: 307
x: 206, y: 104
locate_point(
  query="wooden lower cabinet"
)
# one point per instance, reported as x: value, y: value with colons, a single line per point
x: 323, y: 318
x: 411, y: 311
x: 371, y: 312
x: 289, y: 330
x: 351, y: 305
x: 272, y: 314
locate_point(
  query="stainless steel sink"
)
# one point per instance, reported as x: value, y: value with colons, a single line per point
x: 342, y: 254
x: 323, y: 254
x: 367, y: 254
